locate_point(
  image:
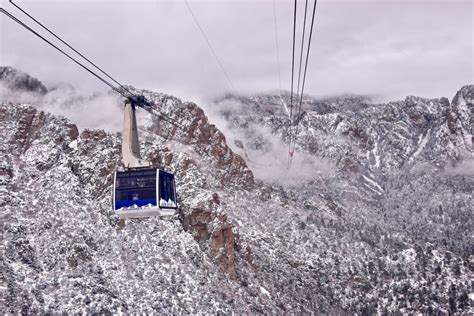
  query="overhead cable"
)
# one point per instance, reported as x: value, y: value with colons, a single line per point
x: 171, y: 121
x: 293, y: 62
x: 290, y: 154
x: 209, y: 45
x: 292, y: 121
x: 72, y: 48
x: 306, y: 66
x: 277, y: 53
x: 8, y: 14
x: 63, y: 52
x: 301, y: 52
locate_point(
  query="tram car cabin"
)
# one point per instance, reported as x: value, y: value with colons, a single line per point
x: 143, y: 193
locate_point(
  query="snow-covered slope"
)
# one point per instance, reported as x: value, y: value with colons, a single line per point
x: 325, y: 245
x: 407, y: 163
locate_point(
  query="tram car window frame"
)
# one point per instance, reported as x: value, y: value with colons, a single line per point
x: 144, y: 187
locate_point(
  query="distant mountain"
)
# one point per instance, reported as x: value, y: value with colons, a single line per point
x: 19, y: 81
x: 379, y: 219
x: 397, y: 159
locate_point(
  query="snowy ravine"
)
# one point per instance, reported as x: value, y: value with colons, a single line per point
x: 239, y: 244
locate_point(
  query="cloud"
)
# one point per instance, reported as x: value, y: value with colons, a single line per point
x: 270, y: 163
x: 264, y: 152
x: 465, y: 167
x: 95, y: 111
x: 394, y: 48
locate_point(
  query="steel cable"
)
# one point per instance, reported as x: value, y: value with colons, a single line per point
x: 301, y: 51
x: 305, y: 68
x: 278, y: 55
x: 72, y: 48
x: 293, y: 137
x: 8, y: 14
x: 165, y: 117
x: 292, y: 79
x: 210, y: 45
x: 293, y: 62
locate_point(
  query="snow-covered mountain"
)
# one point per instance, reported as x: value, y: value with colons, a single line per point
x: 15, y: 80
x: 409, y: 162
x: 377, y: 219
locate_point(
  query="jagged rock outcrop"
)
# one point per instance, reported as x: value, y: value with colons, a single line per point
x: 206, y: 140
x: 461, y: 118
x: 212, y: 230
x: 19, y: 81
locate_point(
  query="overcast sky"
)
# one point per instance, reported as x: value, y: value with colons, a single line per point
x: 386, y: 48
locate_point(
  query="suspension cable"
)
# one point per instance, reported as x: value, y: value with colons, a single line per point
x: 292, y: 81
x: 292, y: 137
x: 164, y: 116
x: 171, y: 121
x: 210, y: 45
x: 301, y: 52
x: 293, y: 62
x: 72, y: 48
x: 305, y: 69
x: 63, y: 52
x: 278, y: 55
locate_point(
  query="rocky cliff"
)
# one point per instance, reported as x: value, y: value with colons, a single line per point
x: 15, y: 80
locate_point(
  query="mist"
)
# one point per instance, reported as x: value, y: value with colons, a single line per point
x: 390, y: 49
x: 268, y: 162
x: 387, y: 48
x: 93, y: 111
x: 464, y: 167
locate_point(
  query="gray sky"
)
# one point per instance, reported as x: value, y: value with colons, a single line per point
x: 386, y: 48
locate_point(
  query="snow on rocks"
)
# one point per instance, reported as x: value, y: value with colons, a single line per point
x: 330, y: 245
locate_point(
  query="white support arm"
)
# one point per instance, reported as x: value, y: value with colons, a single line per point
x: 130, y: 146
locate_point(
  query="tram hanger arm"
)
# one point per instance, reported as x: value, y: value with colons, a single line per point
x: 139, y: 100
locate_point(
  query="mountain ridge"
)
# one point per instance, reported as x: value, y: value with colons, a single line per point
x: 330, y: 244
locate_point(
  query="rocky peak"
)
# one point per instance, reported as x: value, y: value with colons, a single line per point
x: 461, y: 117
x: 193, y: 128
x: 19, y: 81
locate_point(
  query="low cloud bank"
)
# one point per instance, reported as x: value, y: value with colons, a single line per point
x: 465, y: 167
x: 96, y: 111
x: 265, y: 153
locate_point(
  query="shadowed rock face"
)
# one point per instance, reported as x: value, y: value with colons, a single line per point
x: 461, y: 118
x: 19, y: 81
x: 336, y: 245
x: 213, y: 232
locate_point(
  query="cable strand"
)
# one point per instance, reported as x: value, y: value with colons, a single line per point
x: 68, y: 45
x: 278, y: 55
x: 301, y: 51
x: 293, y: 62
x: 293, y: 137
x: 292, y: 79
x: 305, y: 68
x: 8, y: 14
x: 209, y: 45
x: 163, y: 116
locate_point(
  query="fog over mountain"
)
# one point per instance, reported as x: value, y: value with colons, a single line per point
x: 374, y: 216
x: 389, y: 48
